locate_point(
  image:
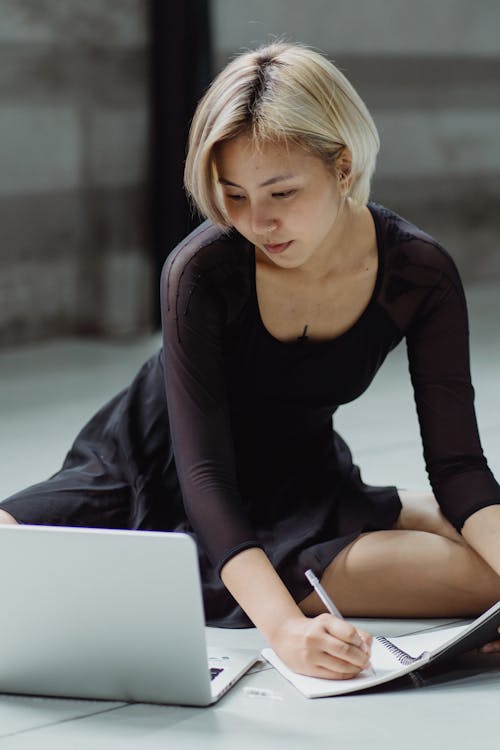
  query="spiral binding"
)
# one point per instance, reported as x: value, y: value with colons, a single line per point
x: 400, y: 655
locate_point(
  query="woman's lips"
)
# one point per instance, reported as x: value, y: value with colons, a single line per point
x: 279, y: 247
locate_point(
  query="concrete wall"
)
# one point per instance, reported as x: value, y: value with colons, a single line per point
x: 74, y: 138
x: 430, y: 74
x: 73, y: 176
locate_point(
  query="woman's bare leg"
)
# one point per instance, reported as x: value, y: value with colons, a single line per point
x: 424, y: 570
x: 6, y: 517
x: 420, y: 512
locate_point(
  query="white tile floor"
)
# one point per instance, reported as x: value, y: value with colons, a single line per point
x: 48, y: 390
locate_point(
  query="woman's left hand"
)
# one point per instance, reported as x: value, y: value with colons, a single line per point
x: 491, y: 648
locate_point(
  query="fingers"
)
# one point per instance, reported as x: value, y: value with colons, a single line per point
x: 338, y: 649
x: 346, y: 632
x: 490, y: 648
x: 367, y: 638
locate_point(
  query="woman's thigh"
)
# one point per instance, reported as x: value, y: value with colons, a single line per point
x: 421, y: 568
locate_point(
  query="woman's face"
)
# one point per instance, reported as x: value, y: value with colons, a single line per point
x: 283, y: 199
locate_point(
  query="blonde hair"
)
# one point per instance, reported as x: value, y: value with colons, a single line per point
x: 280, y: 93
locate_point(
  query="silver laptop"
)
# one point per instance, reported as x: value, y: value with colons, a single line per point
x: 116, y: 615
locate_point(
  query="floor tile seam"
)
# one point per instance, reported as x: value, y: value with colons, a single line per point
x: 489, y: 429
x: 63, y: 721
x: 379, y: 449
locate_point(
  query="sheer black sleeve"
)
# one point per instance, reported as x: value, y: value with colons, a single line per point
x: 197, y: 283
x: 424, y: 292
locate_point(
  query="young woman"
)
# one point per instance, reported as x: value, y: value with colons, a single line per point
x: 276, y: 311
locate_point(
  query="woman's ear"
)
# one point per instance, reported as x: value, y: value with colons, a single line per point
x: 343, y: 168
x: 343, y: 163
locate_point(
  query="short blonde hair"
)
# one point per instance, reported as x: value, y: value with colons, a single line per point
x: 280, y: 93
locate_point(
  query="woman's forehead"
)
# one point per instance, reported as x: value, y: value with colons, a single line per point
x: 244, y: 154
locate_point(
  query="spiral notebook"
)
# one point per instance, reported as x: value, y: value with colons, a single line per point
x: 395, y: 657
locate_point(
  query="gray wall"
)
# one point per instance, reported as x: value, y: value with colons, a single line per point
x: 73, y: 164
x: 74, y: 138
x: 430, y: 74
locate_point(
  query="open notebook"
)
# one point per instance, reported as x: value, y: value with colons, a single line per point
x: 399, y: 656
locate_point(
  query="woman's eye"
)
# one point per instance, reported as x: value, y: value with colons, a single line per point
x: 235, y: 198
x: 284, y: 194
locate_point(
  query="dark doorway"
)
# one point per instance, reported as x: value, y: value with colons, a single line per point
x: 181, y: 69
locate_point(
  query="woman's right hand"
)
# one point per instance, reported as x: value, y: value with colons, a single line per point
x: 322, y: 646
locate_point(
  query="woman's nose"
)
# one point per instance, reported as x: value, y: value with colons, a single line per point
x: 263, y: 221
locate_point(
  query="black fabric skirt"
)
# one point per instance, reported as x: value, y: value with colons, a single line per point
x: 120, y: 473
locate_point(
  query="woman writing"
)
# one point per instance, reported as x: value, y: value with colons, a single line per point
x: 276, y: 311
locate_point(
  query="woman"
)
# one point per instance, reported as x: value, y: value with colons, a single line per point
x: 276, y: 311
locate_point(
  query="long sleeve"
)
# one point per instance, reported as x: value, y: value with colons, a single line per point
x: 438, y: 351
x: 196, y: 315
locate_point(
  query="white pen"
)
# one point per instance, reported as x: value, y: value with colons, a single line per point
x: 313, y: 580
x: 321, y: 592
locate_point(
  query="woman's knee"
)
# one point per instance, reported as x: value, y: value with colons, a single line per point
x: 421, y: 512
x: 6, y: 517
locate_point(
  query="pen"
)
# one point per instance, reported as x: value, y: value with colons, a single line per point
x: 321, y: 592
x: 313, y: 580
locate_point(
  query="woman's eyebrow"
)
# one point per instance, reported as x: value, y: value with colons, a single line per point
x: 270, y: 181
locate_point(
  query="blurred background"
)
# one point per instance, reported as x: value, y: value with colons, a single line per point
x: 96, y: 96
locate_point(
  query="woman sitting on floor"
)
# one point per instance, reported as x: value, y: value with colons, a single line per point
x: 277, y: 310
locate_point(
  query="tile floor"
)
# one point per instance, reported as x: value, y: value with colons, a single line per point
x: 48, y: 390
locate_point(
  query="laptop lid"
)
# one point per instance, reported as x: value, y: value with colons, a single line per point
x: 102, y: 614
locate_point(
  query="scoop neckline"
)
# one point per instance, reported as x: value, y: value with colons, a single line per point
x: 328, y: 341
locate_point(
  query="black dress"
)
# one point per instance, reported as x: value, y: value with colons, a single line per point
x: 245, y: 454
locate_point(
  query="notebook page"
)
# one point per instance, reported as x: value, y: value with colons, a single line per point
x: 428, y: 640
x: 385, y: 666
